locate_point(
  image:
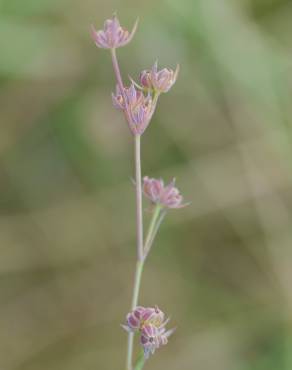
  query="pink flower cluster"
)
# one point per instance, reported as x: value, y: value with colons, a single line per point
x: 137, y: 107
x: 138, y: 103
x: 167, y: 196
x: 150, y: 322
x: 160, y: 81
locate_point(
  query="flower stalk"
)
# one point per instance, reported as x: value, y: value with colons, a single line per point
x: 139, y: 212
x: 138, y: 103
x: 140, y: 362
x: 136, y: 290
x: 155, y: 223
x: 151, y: 230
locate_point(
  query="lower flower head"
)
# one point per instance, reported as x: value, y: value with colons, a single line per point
x: 150, y: 323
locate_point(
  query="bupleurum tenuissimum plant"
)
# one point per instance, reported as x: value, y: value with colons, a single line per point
x: 138, y: 102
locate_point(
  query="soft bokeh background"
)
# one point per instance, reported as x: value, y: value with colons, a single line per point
x: 221, y: 267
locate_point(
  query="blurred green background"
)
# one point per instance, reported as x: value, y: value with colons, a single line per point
x: 222, y: 268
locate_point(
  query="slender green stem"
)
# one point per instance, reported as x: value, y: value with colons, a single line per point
x: 138, y: 275
x: 139, y: 212
x: 155, y: 99
x: 154, y: 232
x: 140, y: 255
x: 151, y: 229
x: 140, y: 362
x: 117, y: 71
x: 120, y: 82
x: 137, y: 283
x: 154, y: 224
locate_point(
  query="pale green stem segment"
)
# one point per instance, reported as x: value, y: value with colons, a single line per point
x: 139, y: 211
x: 157, y: 217
x: 153, y: 229
x: 137, y: 283
x: 140, y: 362
x: 120, y: 81
x: 140, y: 259
x: 155, y: 99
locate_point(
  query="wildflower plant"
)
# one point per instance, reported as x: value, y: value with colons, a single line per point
x: 138, y: 103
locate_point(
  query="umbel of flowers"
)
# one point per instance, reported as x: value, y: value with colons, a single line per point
x: 138, y: 100
x: 150, y: 323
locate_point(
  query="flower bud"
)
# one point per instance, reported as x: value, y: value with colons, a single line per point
x: 145, y: 79
x: 134, y: 318
x: 163, y: 80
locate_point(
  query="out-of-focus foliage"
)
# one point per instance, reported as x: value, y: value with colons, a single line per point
x: 222, y: 266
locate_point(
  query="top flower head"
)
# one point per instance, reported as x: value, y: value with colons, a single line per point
x: 113, y: 35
